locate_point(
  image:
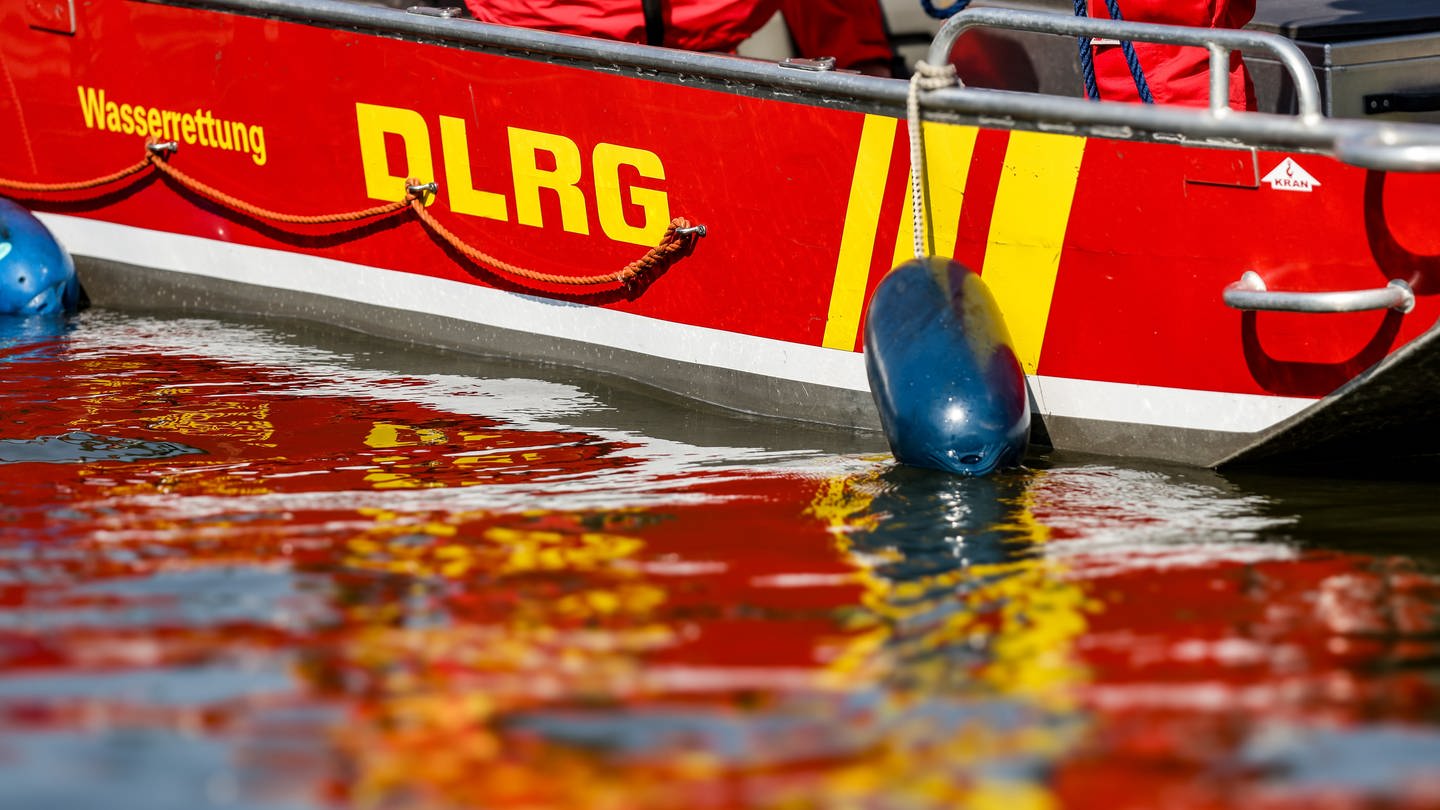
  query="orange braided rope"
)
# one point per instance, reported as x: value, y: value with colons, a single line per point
x: 671, y: 245
x: 79, y: 185
x: 678, y: 239
x: 265, y: 213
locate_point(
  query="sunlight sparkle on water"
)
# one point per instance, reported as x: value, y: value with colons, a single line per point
x: 245, y: 568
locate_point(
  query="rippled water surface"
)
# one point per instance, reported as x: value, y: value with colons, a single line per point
x: 245, y: 566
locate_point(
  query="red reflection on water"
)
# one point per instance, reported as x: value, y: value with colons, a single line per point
x: 764, y: 639
x: 1191, y: 665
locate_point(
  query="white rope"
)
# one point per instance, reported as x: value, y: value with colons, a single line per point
x: 926, y: 77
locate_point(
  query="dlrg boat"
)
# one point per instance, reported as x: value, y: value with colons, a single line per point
x: 1200, y: 285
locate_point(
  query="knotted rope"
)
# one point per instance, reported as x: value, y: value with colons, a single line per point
x: 925, y: 77
x: 1087, y: 56
x: 678, y: 240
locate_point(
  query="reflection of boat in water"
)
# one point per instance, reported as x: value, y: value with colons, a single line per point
x: 290, y: 437
x: 349, y: 615
x: 1115, y: 237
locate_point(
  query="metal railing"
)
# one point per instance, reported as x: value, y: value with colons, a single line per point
x: 1385, y: 146
x: 1220, y: 42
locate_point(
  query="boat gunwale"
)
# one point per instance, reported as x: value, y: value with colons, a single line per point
x: 1002, y: 109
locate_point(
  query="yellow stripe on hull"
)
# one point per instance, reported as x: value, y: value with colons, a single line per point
x: 857, y: 243
x: 1027, y: 233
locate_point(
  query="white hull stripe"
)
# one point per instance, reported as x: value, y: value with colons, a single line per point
x: 1162, y: 407
x: 314, y: 275
x: 359, y: 283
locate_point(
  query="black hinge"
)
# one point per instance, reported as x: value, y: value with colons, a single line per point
x: 1410, y: 101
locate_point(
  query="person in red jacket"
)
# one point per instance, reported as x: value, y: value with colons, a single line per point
x: 1176, y: 75
x: 852, y: 31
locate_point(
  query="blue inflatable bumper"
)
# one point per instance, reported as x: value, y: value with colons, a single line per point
x: 949, y: 388
x: 37, y: 275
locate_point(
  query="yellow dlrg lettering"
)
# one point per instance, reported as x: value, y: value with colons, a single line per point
x: 525, y: 147
x: 375, y: 121
x: 607, y: 160
x: 459, y: 181
x: 560, y: 171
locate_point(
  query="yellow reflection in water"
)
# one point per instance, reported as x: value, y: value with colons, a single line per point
x: 563, y: 613
x: 1021, y: 619
x: 120, y: 394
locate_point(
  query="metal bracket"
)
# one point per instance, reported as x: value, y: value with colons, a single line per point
x: 819, y: 63
x: 1405, y: 101
x: 446, y: 12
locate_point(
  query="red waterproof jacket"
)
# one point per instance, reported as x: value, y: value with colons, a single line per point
x: 850, y: 30
x: 697, y: 25
x: 1175, y: 75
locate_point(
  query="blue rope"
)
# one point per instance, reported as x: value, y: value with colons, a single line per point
x: 1087, y: 58
x: 944, y: 13
x: 1131, y: 58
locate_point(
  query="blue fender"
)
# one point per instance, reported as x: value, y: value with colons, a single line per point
x: 37, y: 275
x: 943, y: 372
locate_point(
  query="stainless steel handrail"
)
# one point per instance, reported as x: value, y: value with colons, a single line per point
x: 1371, y: 144
x: 1220, y: 42
x: 1388, y: 150
x: 1250, y: 293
